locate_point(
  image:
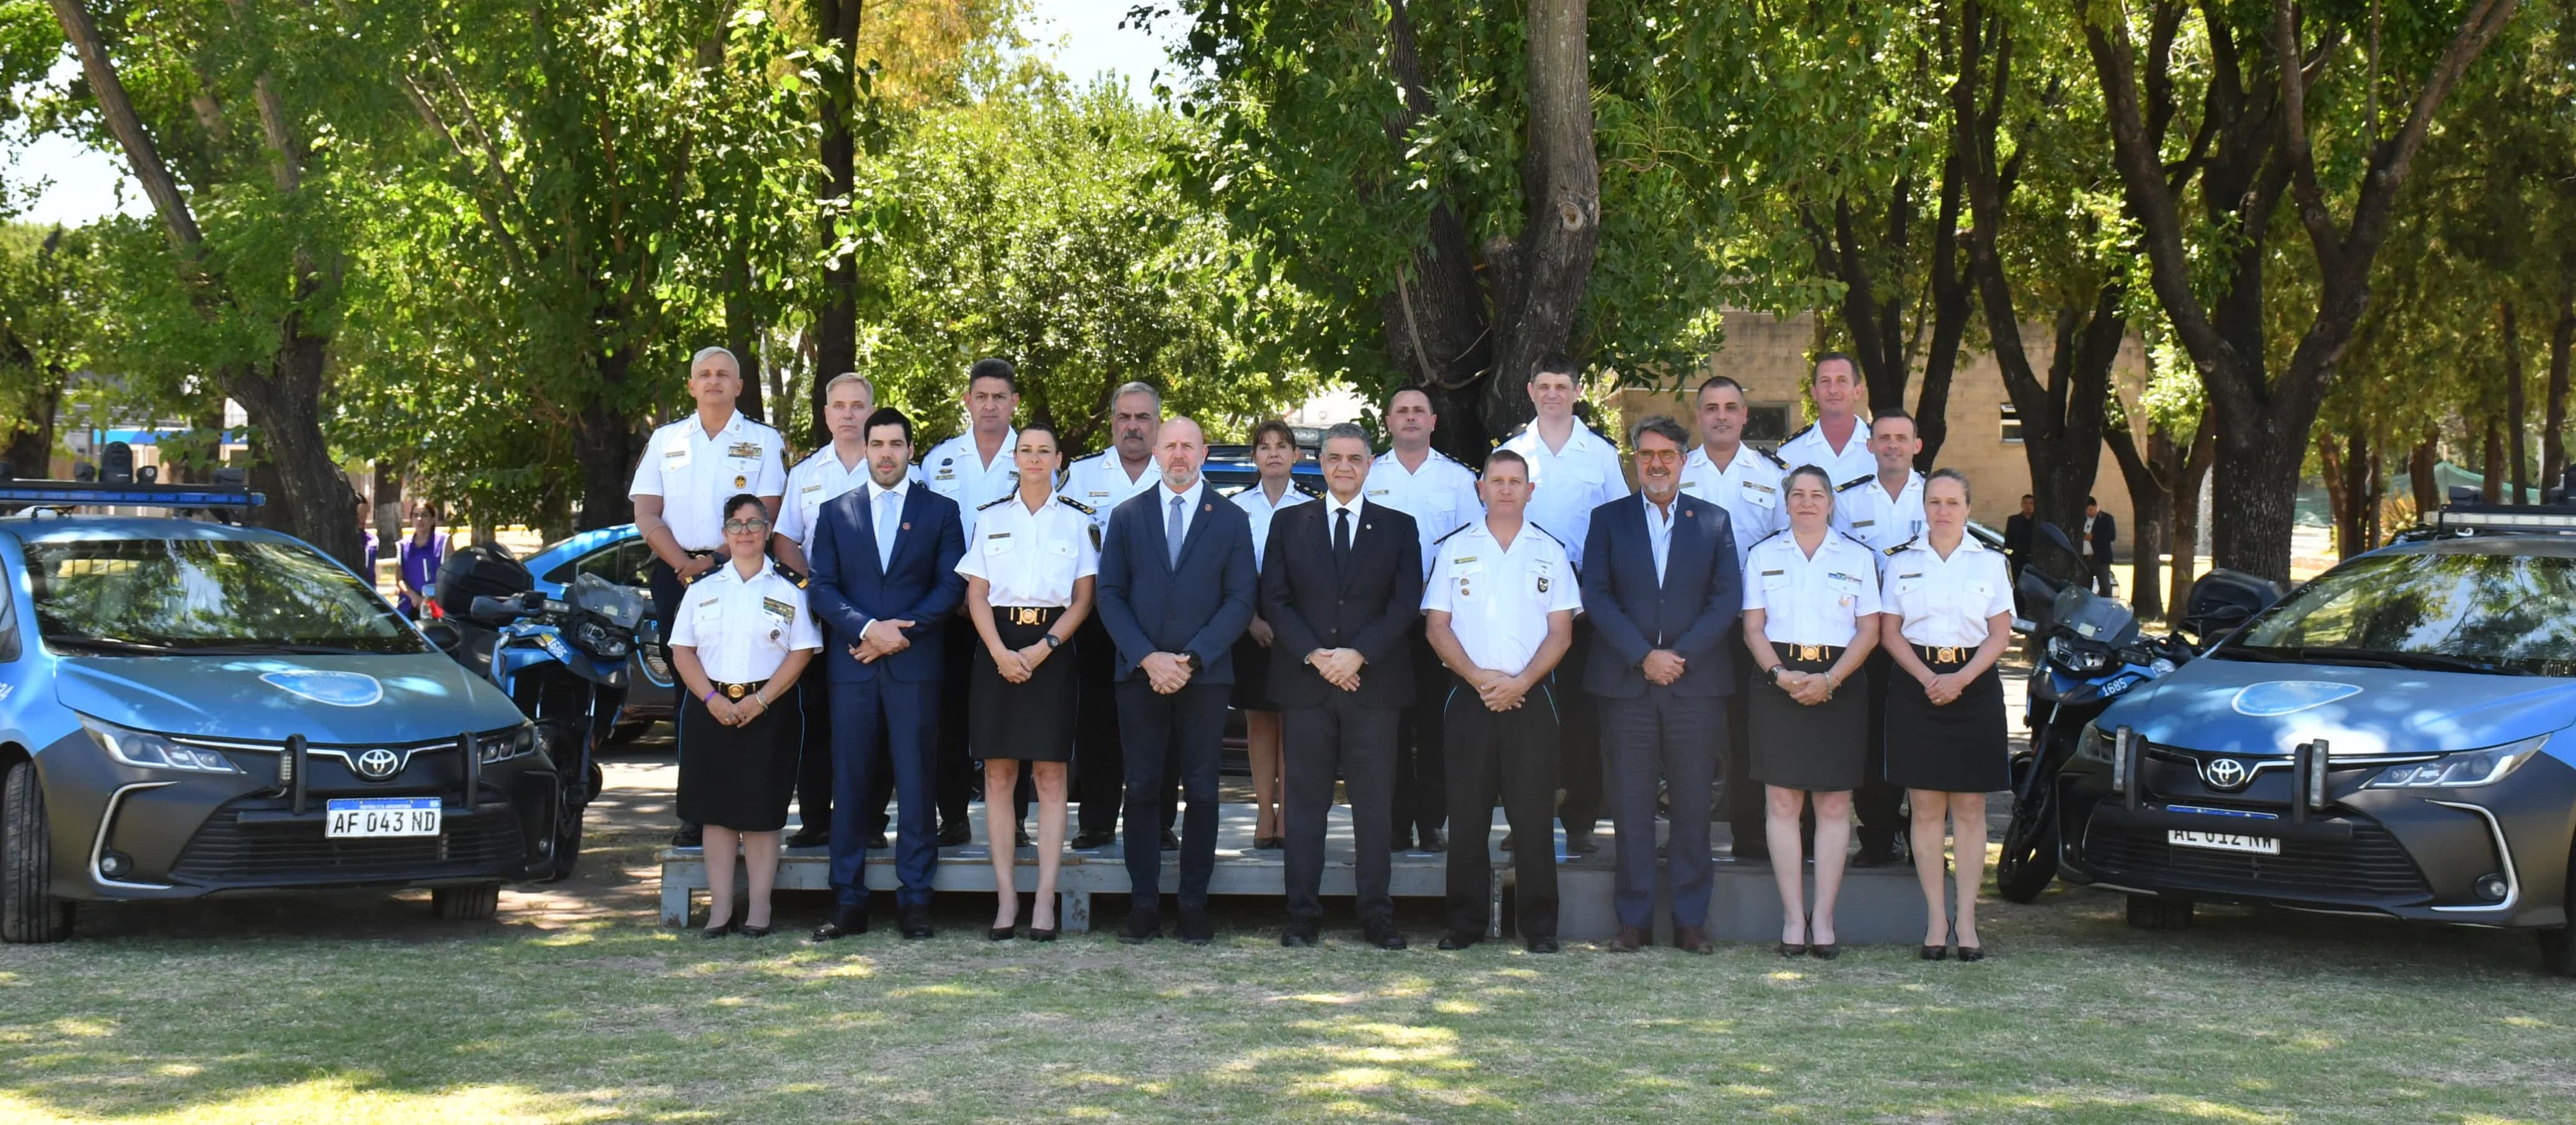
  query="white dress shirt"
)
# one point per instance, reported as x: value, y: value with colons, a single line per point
x: 1498, y: 599
x: 742, y: 628
x: 1659, y: 532
x: 1190, y: 501
x: 1568, y: 483
x: 1750, y: 488
x: 956, y: 470
x: 1257, y: 507
x: 814, y: 482
x: 1809, y: 447
x: 1864, y: 509
x: 1030, y: 558
x: 1819, y: 599
x: 1440, y: 496
x: 1947, y: 603
x: 694, y: 474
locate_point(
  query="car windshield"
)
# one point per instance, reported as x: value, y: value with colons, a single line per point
x: 2437, y: 611
x: 144, y: 597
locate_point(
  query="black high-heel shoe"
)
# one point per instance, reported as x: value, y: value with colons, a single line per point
x: 1820, y: 950
x: 1002, y: 933
x: 1936, y: 952
x: 1972, y: 953
x: 1796, y: 949
x: 755, y: 931
x: 1036, y: 934
x: 713, y: 932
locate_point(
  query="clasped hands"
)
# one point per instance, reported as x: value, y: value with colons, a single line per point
x: 1808, y: 688
x: 1340, y: 667
x: 1497, y: 691
x: 882, y: 638
x: 1018, y: 664
x: 736, y: 712
x: 1167, y: 672
x: 1664, y: 666
x: 1944, y: 688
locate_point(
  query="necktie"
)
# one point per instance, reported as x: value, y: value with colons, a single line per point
x: 1342, y: 541
x: 886, y: 513
x: 1172, y: 531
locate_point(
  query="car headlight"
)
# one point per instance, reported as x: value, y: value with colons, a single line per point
x: 503, y: 745
x: 2092, y: 745
x: 2463, y: 770
x: 152, y: 751
x: 2077, y: 657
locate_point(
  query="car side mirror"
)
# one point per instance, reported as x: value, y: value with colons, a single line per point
x: 444, y: 635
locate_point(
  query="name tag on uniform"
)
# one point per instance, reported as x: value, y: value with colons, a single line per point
x: 1857, y: 524
x: 1773, y: 573
x: 675, y: 458
x: 743, y: 449
x: 1098, y: 494
x: 997, y: 543
x: 1378, y: 491
x: 1902, y: 577
x: 1749, y: 486
x: 809, y: 488
x: 778, y: 609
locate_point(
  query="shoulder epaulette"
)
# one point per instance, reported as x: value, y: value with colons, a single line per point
x: 1308, y: 489
x: 996, y: 503
x: 1551, y: 536
x: 1076, y: 505
x: 1452, y: 531
x: 792, y: 575
x: 1774, y: 458
x: 1448, y: 458
x: 1857, y: 539
x: 1775, y: 533
x: 1900, y: 548
x: 1802, y: 432
x: 1853, y: 483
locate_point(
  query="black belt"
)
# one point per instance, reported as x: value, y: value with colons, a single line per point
x: 1026, y: 614
x: 737, y: 691
x: 1945, y: 654
x: 1808, y: 654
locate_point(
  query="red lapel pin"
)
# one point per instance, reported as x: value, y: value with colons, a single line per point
x: 907, y: 527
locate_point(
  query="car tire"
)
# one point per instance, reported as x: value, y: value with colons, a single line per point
x: 29, y: 914
x: 2558, y: 945
x: 466, y: 904
x: 2151, y: 912
x: 2029, y: 860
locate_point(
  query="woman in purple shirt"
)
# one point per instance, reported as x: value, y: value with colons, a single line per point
x: 420, y: 555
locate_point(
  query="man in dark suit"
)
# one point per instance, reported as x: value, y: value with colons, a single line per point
x: 2018, y: 529
x: 1176, y: 589
x: 2100, y: 531
x: 1663, y: 588
x: 1341, y: 585
x: 885, y: 580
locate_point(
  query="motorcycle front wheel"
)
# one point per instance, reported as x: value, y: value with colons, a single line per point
x: 574, y: 772
x: 2030, y: 846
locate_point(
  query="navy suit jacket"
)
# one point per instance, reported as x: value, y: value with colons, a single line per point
x: 1689, y: 612
x: 848, y: 588
x: 1311, y: 605
x: 1201, y: 606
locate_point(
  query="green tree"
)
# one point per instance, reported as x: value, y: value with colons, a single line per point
x: 49, y: 321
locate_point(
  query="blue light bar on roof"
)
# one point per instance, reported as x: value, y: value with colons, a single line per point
x: 128, y: 495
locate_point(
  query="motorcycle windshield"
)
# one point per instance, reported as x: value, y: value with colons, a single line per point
x: 2085, y: 614
x: 617, y: 605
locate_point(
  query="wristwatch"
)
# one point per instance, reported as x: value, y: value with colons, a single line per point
x: 1774, y: 672
x: 1191, y: 659
x: 1051, y: 643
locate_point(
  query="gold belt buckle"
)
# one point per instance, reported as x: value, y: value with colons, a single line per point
x: 1811, y: 653
x: 1946, y: 654
x: 733, y: 691
x: 1025, y: 615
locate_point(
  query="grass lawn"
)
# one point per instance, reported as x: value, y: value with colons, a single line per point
x: 575, y: 1007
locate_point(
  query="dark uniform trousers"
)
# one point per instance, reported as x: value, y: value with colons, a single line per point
x: 1581, y: 772
x: 814, y: 754
x: 1099, y: 757
x: 1744, y: 803
x: 1420, y: 804
x: 1513, y: 754
x: 1659, y: 736
x: 1359, y: 743
x: 1183, y: 730
x: 1879, y: 806
x: 663, y: 585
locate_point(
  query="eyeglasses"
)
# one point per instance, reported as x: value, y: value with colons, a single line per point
x: 746, y: 525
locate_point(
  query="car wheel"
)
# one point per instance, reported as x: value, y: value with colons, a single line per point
x: 466, y: 904
x: 2149, y: 912
x: 2030, y: 848
x: 29, y: 913
x: 2558, y: 946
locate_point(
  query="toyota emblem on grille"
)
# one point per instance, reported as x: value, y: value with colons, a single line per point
x: 2225, y: 773
x: 378, y: 764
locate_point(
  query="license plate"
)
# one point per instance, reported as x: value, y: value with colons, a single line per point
x: 381, y: 816
x: 2223, y: 841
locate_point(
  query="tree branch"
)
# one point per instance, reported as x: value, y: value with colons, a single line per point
x: 118, y: 108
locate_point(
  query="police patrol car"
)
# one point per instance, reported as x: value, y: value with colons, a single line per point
x: 2391, y: 739
x: 188, y: 707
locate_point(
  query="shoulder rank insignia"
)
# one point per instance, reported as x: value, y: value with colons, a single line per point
x: 1853, y: 483
x: 1900, y: 548
x: 1802, y: 432
x: 997, y: 503
x: 1444, y: 537
x: 1306, y: 488
x: 1551, y: 536
x: 1076, y: 505
x: 1767, y: 538
x: 1857, y: 539
x: 1773, y: 457
x: 792, y: 575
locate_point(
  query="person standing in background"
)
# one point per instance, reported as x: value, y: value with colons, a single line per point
x: 1748, y: 483
x: 973, y: 470
x: 1275, y: 454
x: 416, y: 560
x: 1440, y: 495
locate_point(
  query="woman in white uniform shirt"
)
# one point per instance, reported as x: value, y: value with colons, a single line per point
x: 1029, y: 576
x: 1810, y: 619
x: 741, y: 639
x: 1275, y: 453
x: 1949, y: 619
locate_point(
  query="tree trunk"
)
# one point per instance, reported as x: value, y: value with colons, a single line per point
x: 836, y: 317
x: 2187, y: 468
x: 2352, y: 523
x: 604, y: 442
x: 1437, y: 331
x: 742, y: 333
x: 2491, y: 490
x: 2553, y: 426
x: 390, y: 525
x: 31, y: 450
x: 2151, y: 516
x: 2371, y: 532
x: 2517, y: 408
x: 1550, y: 265
x: 2419, y: 474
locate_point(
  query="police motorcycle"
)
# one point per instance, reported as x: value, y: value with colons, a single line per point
x: 564, y: 662
x: 2091, y: 652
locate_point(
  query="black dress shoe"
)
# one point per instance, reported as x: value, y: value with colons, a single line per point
x: 1824, y: 951
x: 689, y: 836
x: 1630, y: 940
x: 1022, y: 838
x: 847, y: 921
x: 915, y: 921
x: 1142, y: 926
x: 1090, y: 838
x: 1384, y: 935
x: 1299, y: 937
x: 1194, y: 928
x: 877, y: 843
x: 1693, y: 939
x: 1877, y: 857
x: 957, y: 833
x: 1542, y: 945
x: 1456, y: 940
x: 1580, y: 842
x: 1400, y: 842
x: 1431, y: 842
x: 1171, y: 840
x: 713, y: 932
x: 1508, y: 841
x: 1269, y: 843
x: 810, y: 838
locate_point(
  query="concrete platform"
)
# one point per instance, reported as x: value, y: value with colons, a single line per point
x: 1880, y: 906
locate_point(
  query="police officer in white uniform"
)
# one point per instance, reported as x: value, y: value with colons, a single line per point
x: 974, y: 469
x: 1101, y: 482
x: 1838, y: 440
x: 834, y: 469
x: 1884, y: 511
x: 1440, y: 495
x: 1810, y: 621
x: 1748, y: 483
x: 1572, y: 471
x: 1275, y: 454
x: 1501, y: 603
x: 687, y: 470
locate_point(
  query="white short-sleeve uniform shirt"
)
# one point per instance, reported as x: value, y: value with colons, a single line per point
x: 694, y: 473
x: 1946, y: 603
x: 1568, y: 483
x: 1100, y: 482
x: 1440, y: 496
x: 954, y: 469
x: 1749, y: 488
x: 1257, y: 507
x: 1031, y: 559
x: 1819, y: 599
x: 1864, y: 510
x: 742, y: 628
x: 814, y: 482
x: 1809, y: 447
x: 1498, y: 599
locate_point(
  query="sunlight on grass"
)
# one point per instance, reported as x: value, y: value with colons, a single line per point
x: 1458, y: 1007
x: 338, y: 1099
x: 80, y: 1028
x: 1323, y: 998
